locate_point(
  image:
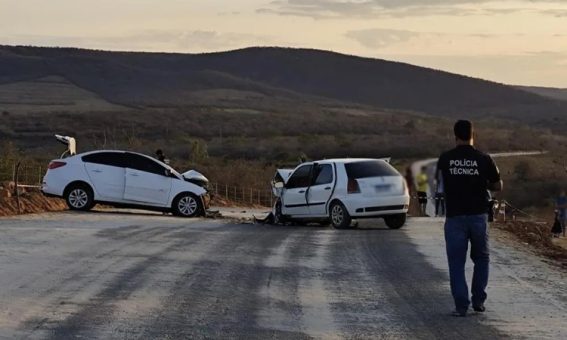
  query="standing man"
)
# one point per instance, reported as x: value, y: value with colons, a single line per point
x: 422, y: 189
x: 467, y: 174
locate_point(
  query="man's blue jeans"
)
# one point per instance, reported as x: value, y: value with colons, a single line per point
x: 459, y: 231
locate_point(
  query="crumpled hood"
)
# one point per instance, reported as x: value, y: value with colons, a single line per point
x: 281, y: 176
x: 284, y: 173
x: 195, y: 175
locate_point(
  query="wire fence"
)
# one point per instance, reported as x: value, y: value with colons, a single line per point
x: 243, y: 195
x: 31, y: 175
x: 27, y: 174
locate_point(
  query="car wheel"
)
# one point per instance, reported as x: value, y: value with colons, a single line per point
x: 339, y: 216
x: 395, y: 221
x: 187, y: 205
x: 79, y: 197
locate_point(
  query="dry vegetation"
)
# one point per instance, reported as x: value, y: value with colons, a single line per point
x: 237, y: 116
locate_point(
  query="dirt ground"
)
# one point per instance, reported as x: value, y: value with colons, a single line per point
x: 30, y: 202
x: 536, y: 237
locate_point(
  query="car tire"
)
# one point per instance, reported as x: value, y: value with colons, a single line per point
x: 279, y: 217
x: 187, y: 205
x: 339, y: 216
x: 395, y: 221
x: 79, y: 197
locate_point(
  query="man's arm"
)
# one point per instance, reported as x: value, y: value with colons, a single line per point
x: 495, y: 183
x: 496, y: 186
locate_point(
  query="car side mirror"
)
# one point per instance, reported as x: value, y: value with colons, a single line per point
x: 279, y: 185
x: 167, y: 173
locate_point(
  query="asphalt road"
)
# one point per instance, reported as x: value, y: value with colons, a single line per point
x: 133, y: 276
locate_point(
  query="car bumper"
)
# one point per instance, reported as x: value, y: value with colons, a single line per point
x: 47, y: 191
x: 206, y: 198
x: 361, y: 207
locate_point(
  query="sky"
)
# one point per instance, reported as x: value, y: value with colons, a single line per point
x: 521, y: 42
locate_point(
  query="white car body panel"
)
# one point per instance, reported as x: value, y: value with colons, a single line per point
x: 378, y: 196
x: 146, y: 187
x: 108, y: 181
x: 119, y: 185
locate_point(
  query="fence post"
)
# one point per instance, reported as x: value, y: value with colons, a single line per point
x: 226, y: 191
x: 16, y: 191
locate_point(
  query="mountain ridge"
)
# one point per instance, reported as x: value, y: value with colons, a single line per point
x: 154, y: 79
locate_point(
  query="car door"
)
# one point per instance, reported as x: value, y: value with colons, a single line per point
x: 106, y: 172
x: 321, y: 189
x: 146, y: 181
x: 294, y: 198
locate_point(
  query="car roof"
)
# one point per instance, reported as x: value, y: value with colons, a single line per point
x: 121, y: 151
x: 347, y: 160
x: 117, y: 151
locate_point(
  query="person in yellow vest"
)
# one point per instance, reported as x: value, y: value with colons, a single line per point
x: 422, y: 189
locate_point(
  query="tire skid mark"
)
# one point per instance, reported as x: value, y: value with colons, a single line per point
x: 360, y: 302
x: 281, y: 308
x: 316, y: 300
x: 77, y: 279
x: 218, y: 297
x: 126, y: 279
x: 77, y: 275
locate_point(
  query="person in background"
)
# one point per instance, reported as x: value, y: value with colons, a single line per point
x: 439, y: 196
x: 561, y: 206
x: 160, y: 156
x: 409, y: 180
x: 422, y: 189
x: 556, y: 229
x: 467, y: 176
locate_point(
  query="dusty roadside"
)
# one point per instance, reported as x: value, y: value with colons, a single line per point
x: 534, y: 237
x: 30, y: 202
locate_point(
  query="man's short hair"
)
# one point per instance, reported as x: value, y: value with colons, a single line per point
x: 464, y: 130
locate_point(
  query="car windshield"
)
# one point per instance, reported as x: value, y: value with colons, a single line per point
x: 367, y: 169
x: 173, y: 171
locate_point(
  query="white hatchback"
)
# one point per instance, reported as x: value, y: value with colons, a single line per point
x: 339, y: 190
x: 125, y: 179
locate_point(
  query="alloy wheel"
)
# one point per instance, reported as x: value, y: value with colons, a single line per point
x: 187, y: 205
x: 78, y: 198
x: 337, y: 215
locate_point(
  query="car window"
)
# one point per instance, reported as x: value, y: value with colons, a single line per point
x: 323, y: 174
x: 105, y: 158
x: 142, y: 163
x: 367, y: 169
x: 300, y: 178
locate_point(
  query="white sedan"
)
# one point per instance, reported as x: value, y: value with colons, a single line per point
x: 125, y: 179
x: 339, y: 190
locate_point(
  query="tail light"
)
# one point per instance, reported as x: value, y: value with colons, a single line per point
x: 352, y: 186
x: 55, y: 165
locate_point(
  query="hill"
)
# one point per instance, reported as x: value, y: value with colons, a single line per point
x: 550, y: 92
x: 178, y: 80
x: 50, y: 94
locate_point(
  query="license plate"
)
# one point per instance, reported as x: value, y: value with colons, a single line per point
x: 382, y: 187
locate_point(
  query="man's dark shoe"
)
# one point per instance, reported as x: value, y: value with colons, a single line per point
x: 479, y: 308
x: 459, y: 313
